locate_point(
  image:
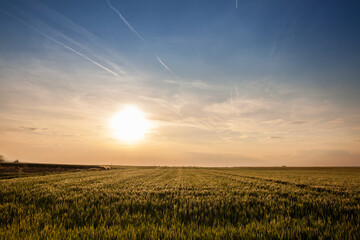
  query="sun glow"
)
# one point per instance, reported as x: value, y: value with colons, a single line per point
x: 129, y: 125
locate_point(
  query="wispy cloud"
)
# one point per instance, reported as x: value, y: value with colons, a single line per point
x: 60, y: 43
x: 275, y: 137
x: 298, y: 122
x: 56, y: 24
x: 138, y: 35
x: 125, y: 21
x: 163, y: 64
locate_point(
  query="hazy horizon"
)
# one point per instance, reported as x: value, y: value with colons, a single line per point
x: 214, y: 83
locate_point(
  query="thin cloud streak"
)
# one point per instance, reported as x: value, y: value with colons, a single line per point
x: 124, y: 20
x: 164, y: 65
x: 61, y: 44
x: 88, y: 39
x: 82, y: 55
x: 138, y: 35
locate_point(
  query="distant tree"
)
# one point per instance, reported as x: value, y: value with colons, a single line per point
x: 16, y: 161
x: 2, y: 158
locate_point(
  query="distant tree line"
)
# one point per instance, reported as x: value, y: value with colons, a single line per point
x: 3, y: 159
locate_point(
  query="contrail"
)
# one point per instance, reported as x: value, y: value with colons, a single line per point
x: 124, y: 20
x: 138, y: 35
x: 164, y: 65
x: 60, y: 43
x: 81, y: 55
x: 77, y: 30
x: 231, y: 100
x: 231, y: 97
x: 236, y: 3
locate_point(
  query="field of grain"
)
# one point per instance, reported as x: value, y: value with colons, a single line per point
x: 183, y: 203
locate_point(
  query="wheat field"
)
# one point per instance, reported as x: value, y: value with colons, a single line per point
x: 183, y: 203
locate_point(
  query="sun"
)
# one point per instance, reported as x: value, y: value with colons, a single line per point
x: 129, y: 125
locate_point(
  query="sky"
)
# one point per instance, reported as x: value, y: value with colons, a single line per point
x: 223, y: 83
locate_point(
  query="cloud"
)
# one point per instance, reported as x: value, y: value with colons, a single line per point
x: 22, y: 129
x: 299, y: 122
x: 164, y: 65
x: 138, y: 35
x: 125, y: 21
x: 61, y: 43
x: 275, y: 137
x: 33, y: 129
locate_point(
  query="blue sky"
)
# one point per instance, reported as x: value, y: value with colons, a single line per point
x: 292, y: 39
x: 210, y: 73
